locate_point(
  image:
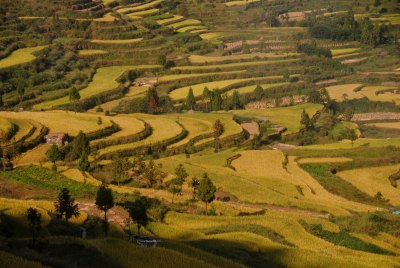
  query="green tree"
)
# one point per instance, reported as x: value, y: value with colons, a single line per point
x: 120, y: 166
x: 218, y: 129
x: 194, y: 184
x: 21, y: 84
x: 206, y: 96
x: 84, y: 164
x: 190, y: 99
x: 258, y: 92
x: 152, y: 100
x: 216, y: 100
x: 35, y: 221
x: 99, y: 121
x: 65, y: 205
x: 104, y: 202
x: 162, y: 59
x: 348, y: 134
x: 79, y: 145
x: 236, y: 104
x: 74, y: 95
x: 54, y: 154
x: 177, y: 182
x: 305, y: 119
x: 206, y: 191
x: 138, y: 213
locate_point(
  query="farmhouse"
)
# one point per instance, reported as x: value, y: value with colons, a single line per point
x: 57, y: 138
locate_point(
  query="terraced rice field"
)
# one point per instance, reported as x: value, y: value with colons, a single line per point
x: 371, y: 93
x: 288, y: 117
x: 233, y: 65
x: 239, y: 2
x: 117, y: 42
x: 89, y: 52
x: 346, y: 91
x: 168, y: 21
x: 194, y: 126
x: 140, y: 7
x: 249, y: 89
x: 395, y: 125
x: 374, y: 179
x: 215, y: 59
x: 343, y: 51
x: 173, y: 77
x: 51, y: 119
x: 181, y: 93
x: 162, y: 129
x: 192, y: 29
x: 129, y: 126
x: 260, y: 178
x: 5, y: 124
x: 185, y: 23
x: 20, y: 56
x: 36, y: 155
x: 104, y: 80
x: 307, y: 247
x: 144, y: 13
x: 346, y: 144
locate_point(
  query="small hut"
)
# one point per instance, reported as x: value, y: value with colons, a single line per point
x: 57, y: 138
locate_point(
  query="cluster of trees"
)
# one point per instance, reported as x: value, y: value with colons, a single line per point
x: 347, y: 28
x: 79, y: 148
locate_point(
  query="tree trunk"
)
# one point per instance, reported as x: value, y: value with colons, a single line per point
x: 105, y: 223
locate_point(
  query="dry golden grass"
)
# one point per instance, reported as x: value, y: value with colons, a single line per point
x: 20, y: 56
x: 89, y: 52
x: 173, y: 77
x: 117, y: 42
x: 374, y: 179
x: 129, y: 126
x: 174, y: 19
x: 163, y: 129
x: 370, y: 93
x: 342, y: 51
x: 184, y: 23
x: 56, y: 120
x: 215, y: 59
x: 194, y: 126
x: 140, y: 7
x: 239, y: 2
x: 324, y: 160
x: 395, y: 125
x: 36, y: 155
x: 347, y: 91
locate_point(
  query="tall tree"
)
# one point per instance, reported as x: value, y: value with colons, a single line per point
x: 74, y: 96
x: 190, y: 100
x: 79, y: 145
x: 120, y: 166
x: 177, y: 182
x: 216, y: 100
x: 218, y: 128
x: 206, y: 191
x: 35, y: 221
x: 305, y: 119
x: 194, y: 184
x: 236, y: 104
x: 258, y: 92
x: 65, y: 205
x: 84, y: 164
x: 54, y: 154
x: 138, y: 213
x: 104, y: 202
x: 152, y: 100
x: 206, y: 96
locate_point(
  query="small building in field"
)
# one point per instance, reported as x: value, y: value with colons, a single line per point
x: 57, y: 138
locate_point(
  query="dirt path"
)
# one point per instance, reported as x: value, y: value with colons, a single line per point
x: 280, y: 209
x: 115, y: 215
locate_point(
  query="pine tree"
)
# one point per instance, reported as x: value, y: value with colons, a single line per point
x: 236, y: 101
x: 216, y: 100
x: 190, y: 100
x: 54, y: 154
x: 258, y: 92
x: 206, y: 191
x: 99, y: 121
x: 65, y: 206
x: 138, y: 213
x: 84, y: 164
x: 177, y: 183
x: 79, y: 145
x: 305, y: 119
x: 35, y: 221
x: 218, y: 128
x: 194, y: 184
x: 104, y: 202
x: 206, y: 96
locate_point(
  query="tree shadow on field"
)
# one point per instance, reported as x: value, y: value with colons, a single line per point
x: 249, y: 255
